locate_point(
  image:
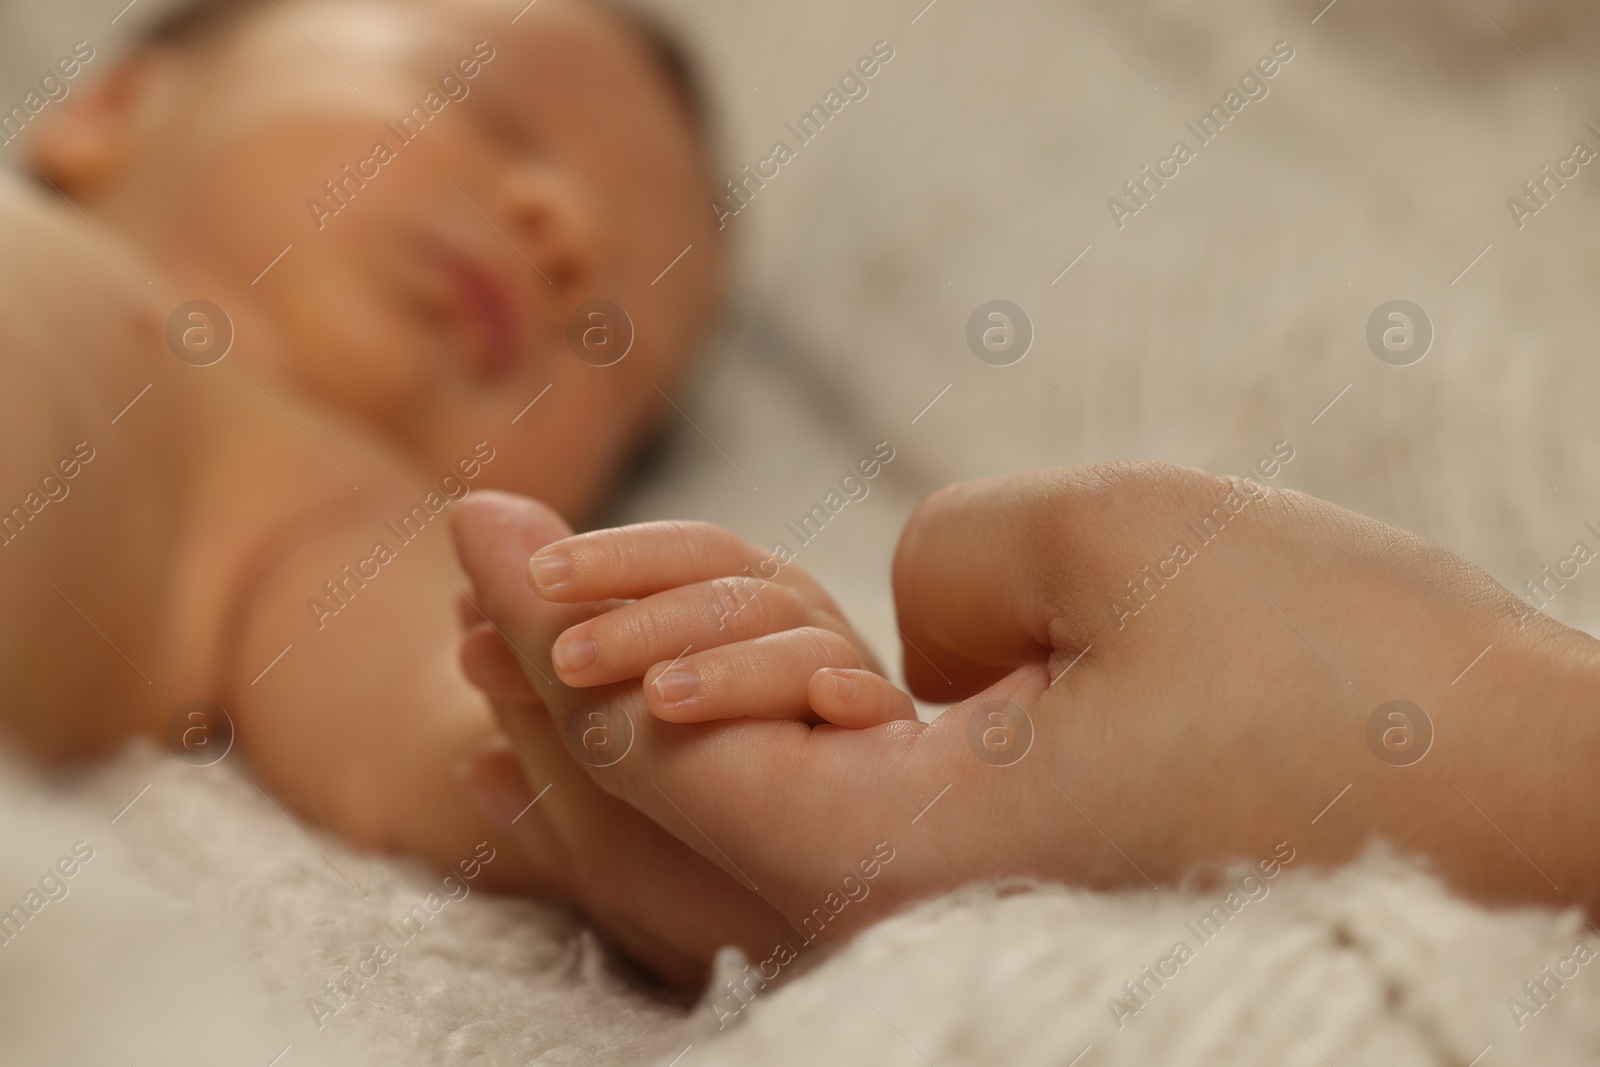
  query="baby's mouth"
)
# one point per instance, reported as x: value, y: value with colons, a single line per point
x: 483, y: 313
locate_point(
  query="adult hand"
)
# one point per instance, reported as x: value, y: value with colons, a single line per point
x: 1157, y: 670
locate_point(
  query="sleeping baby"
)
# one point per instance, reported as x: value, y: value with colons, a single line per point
x: 288, y: 280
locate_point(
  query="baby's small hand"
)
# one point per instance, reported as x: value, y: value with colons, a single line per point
x: 716, y: 628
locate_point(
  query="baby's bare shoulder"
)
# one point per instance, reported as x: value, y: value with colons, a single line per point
x: 134, y: 486
x: 145, y: 502
x: 66, y: 290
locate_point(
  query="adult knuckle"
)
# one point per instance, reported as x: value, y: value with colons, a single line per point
x: 639, y: 628
x: 634, y: 549
x: 709, y: 547
x: 683, y: 539
x: 739, y: 603
x: 816, y: 645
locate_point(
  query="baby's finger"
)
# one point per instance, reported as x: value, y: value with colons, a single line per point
x: 626, y: 641
x: 764, y: 678
x: 636, y: 561
x: 467, y: 612
x: 858, y: 699
x: 491, y: 666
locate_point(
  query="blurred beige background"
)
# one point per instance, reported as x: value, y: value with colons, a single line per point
x: 1222, y: 319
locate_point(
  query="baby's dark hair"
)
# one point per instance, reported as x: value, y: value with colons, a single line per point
x: 200, y: 20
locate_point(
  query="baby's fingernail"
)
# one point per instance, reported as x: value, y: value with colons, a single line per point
x: 677, y: 684
x: 576, y: 654
x: 845, y: 688
x: 551, y: 570
x: 494, y: 779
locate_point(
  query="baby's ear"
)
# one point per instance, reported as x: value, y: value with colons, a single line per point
x: 556, y: 225
x: 89, y: 139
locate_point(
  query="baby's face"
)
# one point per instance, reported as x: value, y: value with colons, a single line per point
x: 490, y: 174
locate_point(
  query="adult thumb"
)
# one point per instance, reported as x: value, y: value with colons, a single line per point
x: 993, y: 574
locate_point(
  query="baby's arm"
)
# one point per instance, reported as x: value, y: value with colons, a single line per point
x: 359, y: 716
x: 716, y: 628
